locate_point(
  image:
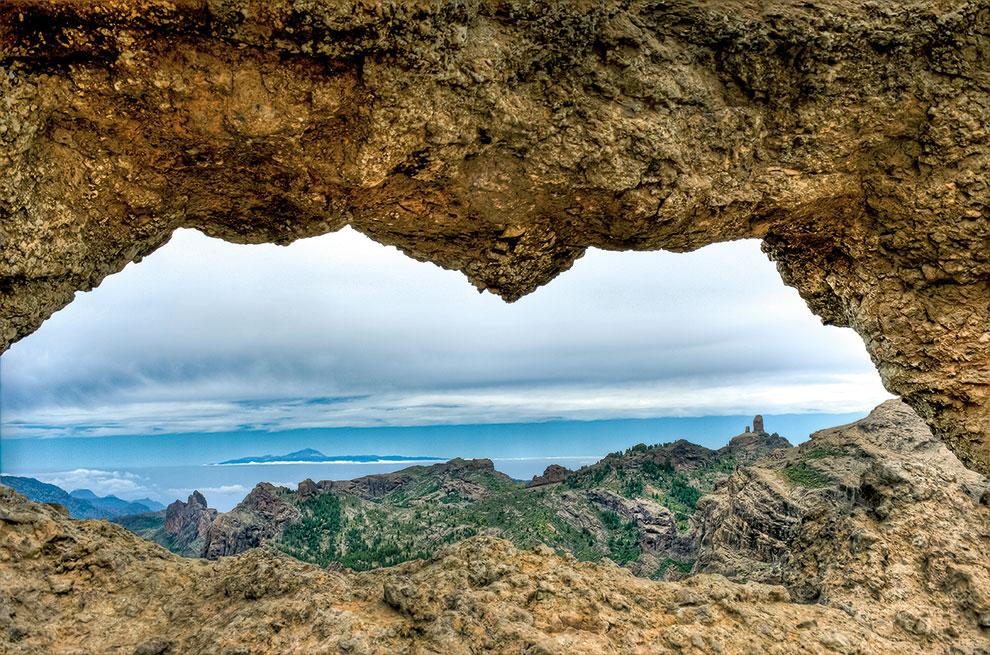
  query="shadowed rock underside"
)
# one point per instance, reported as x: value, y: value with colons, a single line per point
x: 502, y: 139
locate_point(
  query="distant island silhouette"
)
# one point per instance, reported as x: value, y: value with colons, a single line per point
x: 312, y: 456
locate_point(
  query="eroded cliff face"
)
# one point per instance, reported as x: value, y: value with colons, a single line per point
x: 877, y: 517
x: 502, y: 139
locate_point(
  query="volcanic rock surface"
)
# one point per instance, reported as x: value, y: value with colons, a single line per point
x: 504, y: 138
x: 876, y: 517
x: 87, y: 586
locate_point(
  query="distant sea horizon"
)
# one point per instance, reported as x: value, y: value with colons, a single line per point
x: 169, y: 466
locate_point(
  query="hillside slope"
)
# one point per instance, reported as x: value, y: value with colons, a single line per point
x: 81, y: 503
x: 632, y: 507
x: 876, y: 515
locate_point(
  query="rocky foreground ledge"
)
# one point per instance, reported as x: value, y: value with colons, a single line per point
x: 89, y: 586
x: 894, y: 557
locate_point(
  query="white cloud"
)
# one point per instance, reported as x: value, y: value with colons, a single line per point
x: 102, y: 483
x: 224, y: 489
x: 782, y: 394
x: 337, y: 330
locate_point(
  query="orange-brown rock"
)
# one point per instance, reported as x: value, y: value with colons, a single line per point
x: 503, y: 138
x: 92, y: 587
x: 876, y: 517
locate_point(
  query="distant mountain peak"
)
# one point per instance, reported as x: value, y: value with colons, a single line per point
x: 81, y: 503
x: 305, y: 452
x: 314, y: 456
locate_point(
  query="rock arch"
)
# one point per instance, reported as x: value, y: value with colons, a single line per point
x: 502, y: 139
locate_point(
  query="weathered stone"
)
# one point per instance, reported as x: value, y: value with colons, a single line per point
x: 752, y: 445
x: 876, y: 516
x: 187, y: 524
x: 479, y: 596
x: 502, y: 139
x: 553, y: 474
x: 656, y: 524
x: 307, y: 488
x: 264, y: 513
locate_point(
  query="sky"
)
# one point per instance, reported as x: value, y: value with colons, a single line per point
x: 338, y: 330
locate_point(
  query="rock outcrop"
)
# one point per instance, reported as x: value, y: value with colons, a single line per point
x: 553, y: 474
x: 263, y: 514
x: 502, y: 139
x: 876, y: 517
x: 751, y: 446
x: 682, y: 454
x: 656, y: 525
x: 87, y: 586
x: 187, y: 524
x: 193, y: 529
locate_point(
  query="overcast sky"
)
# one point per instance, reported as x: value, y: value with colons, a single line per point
x: 338, y: 330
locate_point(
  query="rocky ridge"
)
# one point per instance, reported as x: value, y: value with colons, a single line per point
x: 85, y: 586
x: 632, y: 507
x: 877, y: 517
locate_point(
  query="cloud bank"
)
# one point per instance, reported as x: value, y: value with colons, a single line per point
x: 100, y: 482
x: 338, y: 330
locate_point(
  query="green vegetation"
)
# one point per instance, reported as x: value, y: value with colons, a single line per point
x: 590, y: 477
x: 623, y: 541
x: 138, y: 522
x: 313, y: 538
x: 684, y: 493
x: 658, y: 471
x: 806, y: 476
x: 588, y: 515
x: 584, y: 516
x: 682, y: 566
x: 423, y: 517
x: 633, y: 488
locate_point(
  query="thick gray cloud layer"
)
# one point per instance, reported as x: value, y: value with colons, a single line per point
x: 338, y: 330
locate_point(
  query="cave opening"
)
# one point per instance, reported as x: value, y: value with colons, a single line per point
x: 502, y: 140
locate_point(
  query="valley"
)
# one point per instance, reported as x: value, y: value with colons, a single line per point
x: 870, y: 537
x: 633, y: 507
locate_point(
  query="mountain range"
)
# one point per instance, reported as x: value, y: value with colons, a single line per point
x: 870, y: 537
x: 80, y: 503
x: 633, y: 507
x: 309, y: 456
